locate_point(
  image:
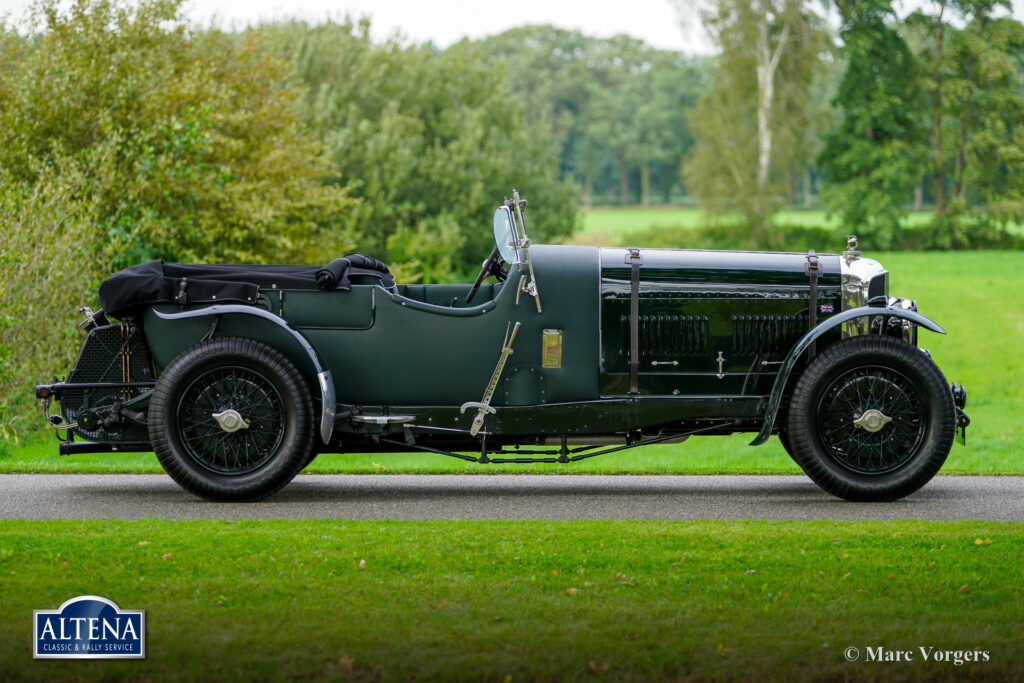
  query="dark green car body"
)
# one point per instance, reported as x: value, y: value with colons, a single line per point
x: 418, y: 350
x: 721, y: 339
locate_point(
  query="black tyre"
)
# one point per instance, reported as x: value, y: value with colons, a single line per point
x: 784, y: 439
x: 871, y: 419
x: 231, y: 420
x: 783, y: 429
x: 309, y: 460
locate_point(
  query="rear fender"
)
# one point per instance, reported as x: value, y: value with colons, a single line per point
x: 324, y: 380
x: 775, y: 400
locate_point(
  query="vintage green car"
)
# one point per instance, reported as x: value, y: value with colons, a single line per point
x: 237, y: 376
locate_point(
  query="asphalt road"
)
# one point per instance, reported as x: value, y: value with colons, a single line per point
x: 561, y: 497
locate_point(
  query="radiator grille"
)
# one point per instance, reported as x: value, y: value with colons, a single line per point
x: 101, y: 357
x: 110, y: 354
x: 667, y: 335
x: 766, y: 333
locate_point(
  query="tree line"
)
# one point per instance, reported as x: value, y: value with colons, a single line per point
x: 616, y: 107
x: 849, y: 106
x: 888, y: 112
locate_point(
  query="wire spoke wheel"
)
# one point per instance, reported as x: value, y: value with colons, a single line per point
x: 861, y: 393
x: 231, y: 419
x: 218, y: 391
x: 871, y: 418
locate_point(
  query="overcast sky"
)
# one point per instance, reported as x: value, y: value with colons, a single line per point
x: 446, y: 21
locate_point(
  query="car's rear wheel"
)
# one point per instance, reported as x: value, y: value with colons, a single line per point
x: 871, y: 419
x: 231, y: 420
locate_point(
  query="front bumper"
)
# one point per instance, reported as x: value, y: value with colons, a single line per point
x: 962, y: 419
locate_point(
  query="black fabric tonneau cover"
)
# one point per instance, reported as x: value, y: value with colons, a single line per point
x: 158, y: 282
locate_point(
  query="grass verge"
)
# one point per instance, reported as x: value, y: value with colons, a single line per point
x: 612, y: 222
x: 524, y: 600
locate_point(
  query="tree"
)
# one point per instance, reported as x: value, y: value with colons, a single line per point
x: 823, y: 117
x: 611, y: 118
x: 973, y: 83
x: 988, y: 106
x: 192, y: 145
x: 872, y: 161
x: 596, y: 92
x: 48, y: 271
x: 658, y: 134
x: 550, y: 69
x: 677, y: 83
x: 428, y: 141
x: 749, y: 120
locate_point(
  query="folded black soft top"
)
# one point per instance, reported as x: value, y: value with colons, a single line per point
x: 158, y: 282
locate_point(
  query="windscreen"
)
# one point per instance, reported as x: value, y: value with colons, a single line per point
x: 505, y: 236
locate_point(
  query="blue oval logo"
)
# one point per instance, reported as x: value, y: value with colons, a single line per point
x: 89, y: 627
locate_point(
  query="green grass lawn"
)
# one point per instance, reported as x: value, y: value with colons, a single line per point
x: 974, y: 295
x: 615, y: 221
x: 287, y: 600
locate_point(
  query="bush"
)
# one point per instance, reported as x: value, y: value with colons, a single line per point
x: 190, y: 144
x: 8, y: 427
x: 51, y: 230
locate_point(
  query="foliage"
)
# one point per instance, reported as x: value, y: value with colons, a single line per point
x: 977, y: 121
x: 428, y: 141
x: 938, y: 96
x: 616, y: 106
x: 203, y: 154
x: 750, y: 122
x: 8, y: 428
x: 872, y: 160
x: 624, y: 91
x: 638, y: 114
x: 551, y: 69
x: 50, y: 227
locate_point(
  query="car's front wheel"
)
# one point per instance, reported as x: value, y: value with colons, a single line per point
x: 871, y: 419
x: 231, y: 420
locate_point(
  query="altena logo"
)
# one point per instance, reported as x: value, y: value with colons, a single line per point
x: 89, y: 627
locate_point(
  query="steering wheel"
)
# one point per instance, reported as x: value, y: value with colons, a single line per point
x: 492, y: 266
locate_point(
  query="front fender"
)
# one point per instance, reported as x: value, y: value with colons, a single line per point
x: 324, y: 379
x: 775, y: 400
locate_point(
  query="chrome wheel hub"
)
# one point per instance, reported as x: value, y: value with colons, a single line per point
x: 872, y: 420
x: 230, y: 420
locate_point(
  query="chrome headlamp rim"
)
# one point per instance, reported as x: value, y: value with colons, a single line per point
x: 856, y: 275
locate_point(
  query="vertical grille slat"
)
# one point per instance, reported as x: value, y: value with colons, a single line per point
x: 102, y: 360
x: 753, y: 334
x: 667, y: 335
